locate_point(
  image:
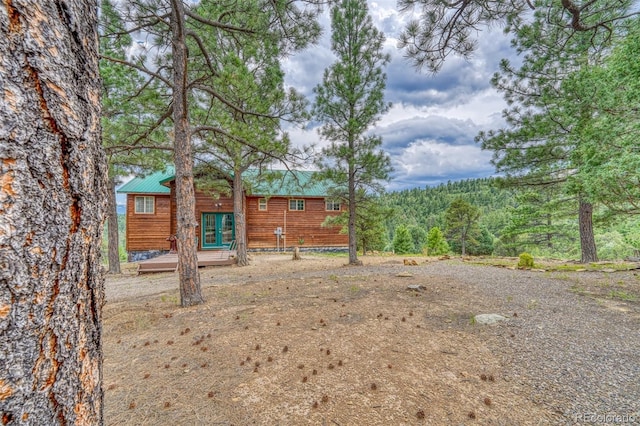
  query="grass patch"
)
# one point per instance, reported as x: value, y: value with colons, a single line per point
x: 556, y: 265
x: 173, y: 299
x: 622, y: 295
x: 578, y: 289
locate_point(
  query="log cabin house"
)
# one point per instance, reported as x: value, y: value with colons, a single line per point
x: 285, y: 212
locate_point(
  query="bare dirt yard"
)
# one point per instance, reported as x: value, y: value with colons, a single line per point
x: 283, y: 342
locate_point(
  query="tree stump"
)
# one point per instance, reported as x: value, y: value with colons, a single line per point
x: 296, y: 253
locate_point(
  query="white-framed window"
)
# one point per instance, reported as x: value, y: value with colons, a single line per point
x: 296, y: 205
x: 262, y: 204
x: 145, y: 204
x: 331, y: 205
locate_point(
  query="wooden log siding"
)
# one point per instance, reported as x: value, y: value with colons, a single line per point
x: 205, y: 203
x: 148, y: 231
x: 304, y: 224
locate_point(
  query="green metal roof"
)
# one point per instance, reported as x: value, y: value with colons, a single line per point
x: 300, y: 183
x: 149, y: 184
x: 284, y: 183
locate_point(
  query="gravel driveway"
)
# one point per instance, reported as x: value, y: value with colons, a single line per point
x: 576, y: 355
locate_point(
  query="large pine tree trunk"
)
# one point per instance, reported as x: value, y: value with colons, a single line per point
x: 587, y: 240
x: 112, y: 229
x: 52, y: 191
x: 353, y: 242
x: 190, y: 291
x: 241, y: 225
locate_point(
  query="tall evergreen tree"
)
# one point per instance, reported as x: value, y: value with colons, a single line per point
x: 248, y: 74
x: 176, y: 31
x: 129, y: 109
x: 462, y: 223
x: 547, y: 121
x: 52, y: 198
x: 542, y: 218
x: 611, y: 159
x: 348, y: 102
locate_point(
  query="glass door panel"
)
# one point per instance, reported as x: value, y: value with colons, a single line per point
x: 227, y: 228
x: 218, y: 230
x: 209, y: 230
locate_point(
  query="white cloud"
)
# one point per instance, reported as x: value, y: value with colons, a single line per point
x: 428, y: 162
x: 429, y: 132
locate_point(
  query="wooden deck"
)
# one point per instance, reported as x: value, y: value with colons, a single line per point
x: 169, y: 262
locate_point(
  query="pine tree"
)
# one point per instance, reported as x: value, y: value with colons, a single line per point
x: 370, y: 228
x: 350, y: 100
x: 548, y: 121
x: 248, y: 74
x: 129, y: 111
x: 610, y: 170
x: 53, y: 173
x: 402, y: 242
x: 177, y: 31
x: 462, y: 223
x: 436, y: 243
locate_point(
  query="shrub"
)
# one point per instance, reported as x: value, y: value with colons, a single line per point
x: 436, y: 244
x: 402, y: 241
x: 419, y: 238
x: 482, y: 244
x: 612, y: 246
x: 526, y: 261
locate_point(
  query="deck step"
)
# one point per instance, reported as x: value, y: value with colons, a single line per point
x: 169, y: 262
x: 145, y: 270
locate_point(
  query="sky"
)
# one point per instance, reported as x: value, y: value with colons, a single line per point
x: 429, y: 131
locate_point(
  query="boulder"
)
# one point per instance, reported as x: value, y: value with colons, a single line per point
x: 488, y: 319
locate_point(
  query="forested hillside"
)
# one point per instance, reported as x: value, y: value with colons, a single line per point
x: 539, y: 222
x: 426, y: 206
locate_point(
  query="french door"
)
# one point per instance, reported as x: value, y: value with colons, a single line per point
x: 218, y: 230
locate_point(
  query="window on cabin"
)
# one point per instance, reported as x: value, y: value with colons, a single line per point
x: 145, y: 205
x: 262, y: 204
x: 331, y: 205
x: 296, y: 205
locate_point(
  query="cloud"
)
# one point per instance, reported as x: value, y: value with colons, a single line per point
x: 429, y: 132
x: 429, y: 162
x: 402, y: 133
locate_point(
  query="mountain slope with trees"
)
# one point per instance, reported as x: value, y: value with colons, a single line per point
x: 425, y: 207
x: 516, y: 220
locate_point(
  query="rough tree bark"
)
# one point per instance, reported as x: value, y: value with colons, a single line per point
x: 112, y: 229
x: 241, y: 225
x: 190, y: 291
x: 353, y: 243
x: 52, y: 191
x: 587, y: 240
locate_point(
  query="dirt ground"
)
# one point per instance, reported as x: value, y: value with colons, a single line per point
x: 285, y: 342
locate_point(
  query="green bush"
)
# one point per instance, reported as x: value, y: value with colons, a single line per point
x: 419, y: 238
x: 402, y: 241
x: 436, y: 243
x: 482, y: 244
x: 613, y: 246
x: 526, y: 261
